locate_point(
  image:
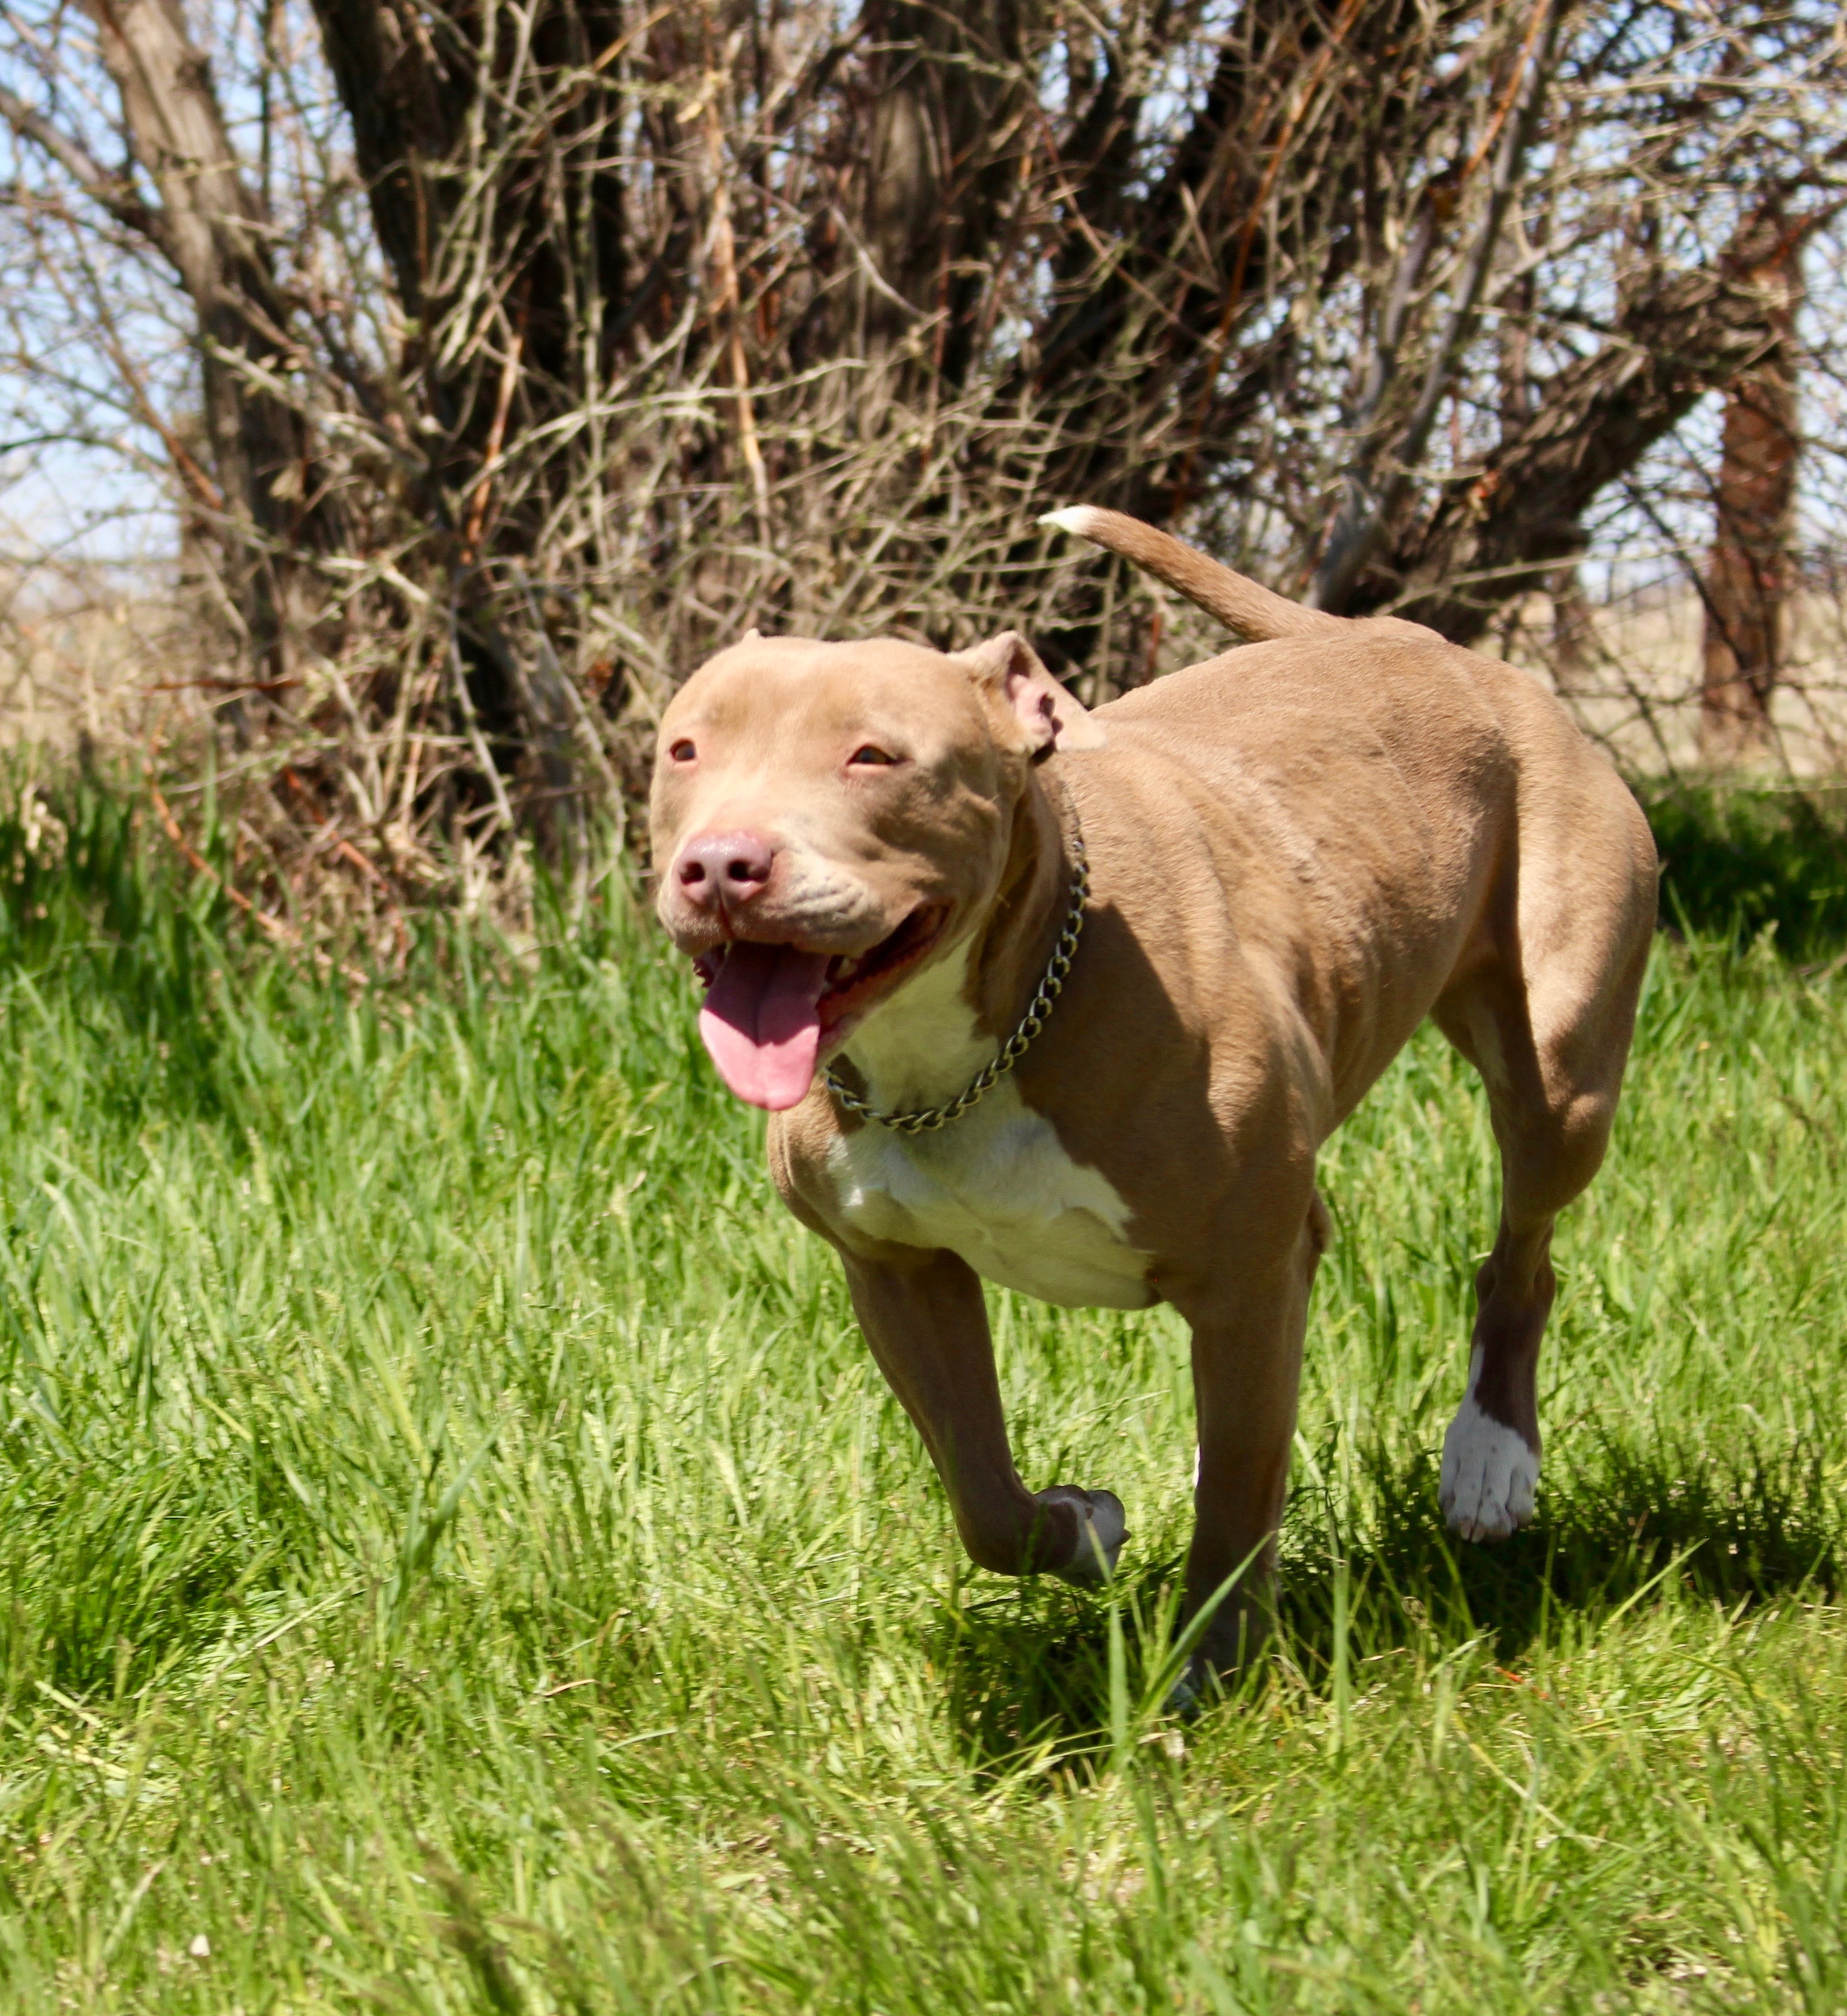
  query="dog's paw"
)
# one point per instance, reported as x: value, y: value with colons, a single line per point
x: 1488, y: 1473
x: 1102, y: 1529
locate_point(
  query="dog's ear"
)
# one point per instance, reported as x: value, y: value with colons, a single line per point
x: 1009, y: 667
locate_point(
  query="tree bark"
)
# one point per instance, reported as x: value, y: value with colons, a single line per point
x: 1748, y: 571
x: 493, y: 175
x: 946, y: 126
x: 419, y: 88
x: 213, y: 229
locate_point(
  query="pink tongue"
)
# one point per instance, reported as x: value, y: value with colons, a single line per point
x: 761, y: 1024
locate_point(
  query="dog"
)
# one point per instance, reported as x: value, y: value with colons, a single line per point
x: 1069, y: 1000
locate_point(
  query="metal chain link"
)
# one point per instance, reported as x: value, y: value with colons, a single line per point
x: 927, y: 1119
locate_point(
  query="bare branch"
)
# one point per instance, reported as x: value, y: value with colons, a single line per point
x: 114, y: 193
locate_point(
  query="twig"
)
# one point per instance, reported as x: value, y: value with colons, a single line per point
x: 284, y: 933
x: 1362, y: 521
x: 347, y: 852
x: 503, y: 402
x: 724, y: 260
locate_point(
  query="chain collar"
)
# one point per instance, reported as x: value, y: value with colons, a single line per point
x: 928, y: 1118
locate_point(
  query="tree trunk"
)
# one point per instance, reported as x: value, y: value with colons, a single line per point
x: 946, y: 127
x: 494, y: 175
x: 1574, y: 630
x: 435, y: 131
x: 270, y: 502
x: 1748, y: 572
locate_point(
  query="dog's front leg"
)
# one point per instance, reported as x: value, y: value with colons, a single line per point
x: 1247, y: 1369
x: 924, y: 1317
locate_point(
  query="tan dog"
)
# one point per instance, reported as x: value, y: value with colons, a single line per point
x: 1295, y: 852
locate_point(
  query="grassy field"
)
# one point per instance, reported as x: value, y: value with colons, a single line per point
x: 455, y: 1554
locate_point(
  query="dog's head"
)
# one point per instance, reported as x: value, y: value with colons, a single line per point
x: 828, y: 819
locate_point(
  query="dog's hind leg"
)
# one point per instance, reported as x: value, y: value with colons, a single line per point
x: 1545, y: 1017
x: 923, y: 1316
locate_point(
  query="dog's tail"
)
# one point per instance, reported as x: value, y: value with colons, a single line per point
x: 1254, y: 612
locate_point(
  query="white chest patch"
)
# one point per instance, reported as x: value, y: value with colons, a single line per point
x: 997, y: 1187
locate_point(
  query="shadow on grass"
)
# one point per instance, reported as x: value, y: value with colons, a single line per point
x: 1626, y: 1521
x: 115, y: 1571
x: 1738, y: 859
x: 1032, y: 1667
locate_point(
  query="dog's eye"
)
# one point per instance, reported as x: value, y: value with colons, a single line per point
x: 683, y: 751
x: 870, y: 753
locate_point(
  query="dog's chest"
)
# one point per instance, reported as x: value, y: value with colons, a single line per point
x: 997, y: 1187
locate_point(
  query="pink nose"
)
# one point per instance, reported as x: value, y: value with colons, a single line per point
x: 724, y: 868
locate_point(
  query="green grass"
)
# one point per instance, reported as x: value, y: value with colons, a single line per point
x: 456, y: 1554
x: 1738, y: 860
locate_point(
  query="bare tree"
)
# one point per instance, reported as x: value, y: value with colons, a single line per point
x: 257, y: 484
x: 1500, y: 526
x: 542, y: 344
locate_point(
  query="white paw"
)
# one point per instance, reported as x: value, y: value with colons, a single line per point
x: 1488, y: 1473
x: 1103, y: 1526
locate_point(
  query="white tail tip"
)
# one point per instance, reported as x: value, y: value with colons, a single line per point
x: 1074, y: 518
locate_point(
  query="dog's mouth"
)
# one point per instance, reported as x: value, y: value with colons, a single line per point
x: 768, y: 1007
